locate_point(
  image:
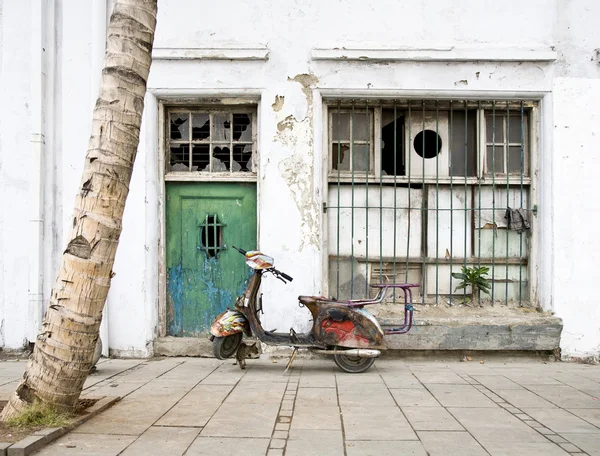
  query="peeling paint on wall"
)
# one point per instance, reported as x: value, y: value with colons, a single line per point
x: 298, y: 170
x: 279, y: 100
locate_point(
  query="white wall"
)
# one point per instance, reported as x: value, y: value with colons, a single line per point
x: 290, y: 180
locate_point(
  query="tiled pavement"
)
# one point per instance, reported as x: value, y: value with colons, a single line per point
x: 195, y: 406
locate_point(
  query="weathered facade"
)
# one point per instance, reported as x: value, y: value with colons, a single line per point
x: 356, y: 143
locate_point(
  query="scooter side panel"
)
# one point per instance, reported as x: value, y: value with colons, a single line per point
x: 228, y: 323
x: 346, y: 327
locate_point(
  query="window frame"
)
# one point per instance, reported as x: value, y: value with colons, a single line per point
x: 346, y: 176
x: 371, y: 171
x: 210, y: 109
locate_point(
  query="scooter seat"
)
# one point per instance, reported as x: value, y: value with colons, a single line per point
x: 311, y: 299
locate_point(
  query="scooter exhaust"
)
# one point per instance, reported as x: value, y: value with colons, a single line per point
x: 360, y: 352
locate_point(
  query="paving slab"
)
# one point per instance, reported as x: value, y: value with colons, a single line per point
x: 592, y: 416
x: 376, y: 423
x: 414, y: 397
x: 590, y: 443
x: 213, y: 446
x: 304, y: 442
x: 438, y: 376
x: 431, y: 419
x: 450, y: 444
x: 316, y: 397
x: 88, y: 445
x: 459, y: 396
x: 365, y: 394
x: 233, y: 420
x: 496, y: 382
x: 322, y: 417
x: 385, y: 448
x: 523, y: 398
x: 561, y: 421
x: 197, y: 407
x: 501, y: 433
x: 565, y: 396
x: 163, y: 441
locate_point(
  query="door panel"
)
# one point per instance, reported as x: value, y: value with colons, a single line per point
x: 204, y: 274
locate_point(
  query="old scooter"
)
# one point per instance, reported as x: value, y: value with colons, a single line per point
x: 343, y: 329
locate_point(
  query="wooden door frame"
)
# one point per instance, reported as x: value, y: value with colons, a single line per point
x: 219, y: 100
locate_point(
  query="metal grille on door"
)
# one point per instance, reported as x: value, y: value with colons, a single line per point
x: 211, y: 236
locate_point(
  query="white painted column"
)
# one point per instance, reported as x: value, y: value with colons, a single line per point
x: 37, y: 140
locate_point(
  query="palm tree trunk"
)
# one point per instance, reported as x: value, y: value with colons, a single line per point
x: 64, y: 348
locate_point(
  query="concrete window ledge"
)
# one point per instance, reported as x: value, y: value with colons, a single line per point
x: 250, y: 53
x: 437, y: 54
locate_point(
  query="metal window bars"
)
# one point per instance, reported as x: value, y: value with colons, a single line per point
x: 439, y: 179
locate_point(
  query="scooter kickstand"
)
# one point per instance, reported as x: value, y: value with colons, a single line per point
x: 291, y: 361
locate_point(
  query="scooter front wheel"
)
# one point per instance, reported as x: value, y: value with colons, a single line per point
x: 225, y: 347
x: 353, y: 364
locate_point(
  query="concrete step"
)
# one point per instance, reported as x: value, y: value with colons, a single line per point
x: 489, y: 328
x: 500, y: 328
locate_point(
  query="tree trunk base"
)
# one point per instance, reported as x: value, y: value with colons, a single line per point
x: 13, y: 408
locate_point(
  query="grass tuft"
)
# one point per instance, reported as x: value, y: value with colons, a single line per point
x: 40, y: 414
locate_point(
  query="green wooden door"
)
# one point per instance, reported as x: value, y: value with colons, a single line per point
x: 204, y: 274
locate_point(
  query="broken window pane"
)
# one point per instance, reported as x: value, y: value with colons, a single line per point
x: 341, y: 156
x: 360, y: 127
x: 242, y: 127
x: 360, y: 157
x: 458, y: 161
x: 392, y: 144
x: 221, y: 159
x: 200, y: 157
x: 200, y: 126
x: 242, y: 156
x: 221, y: 127
x: 180, y: 126
x: 495, y: 163
x: 180, y: 158
x: 494, y: 123
x: 340, y: 126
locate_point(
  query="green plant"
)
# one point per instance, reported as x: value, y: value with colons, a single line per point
x: 473, y: 277
x: 40, y: 414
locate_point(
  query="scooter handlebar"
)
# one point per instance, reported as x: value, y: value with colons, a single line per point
x: 285, y: 276
x: 242, y: 251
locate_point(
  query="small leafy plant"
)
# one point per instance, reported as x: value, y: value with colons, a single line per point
x: 474, y: 277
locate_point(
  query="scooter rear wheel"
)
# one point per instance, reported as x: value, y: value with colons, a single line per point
x: 353, y: 364
x: 225, y: 347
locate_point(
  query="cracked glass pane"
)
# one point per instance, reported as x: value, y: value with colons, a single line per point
x: 180, y: 126
x: 200, y: 126
x: 200, y: 157
x: 221, y: 159
x: 221, y: 127
x: 180, y: 158
x: 340, y: 156
x: 242, y: 127
x: 242, y: 157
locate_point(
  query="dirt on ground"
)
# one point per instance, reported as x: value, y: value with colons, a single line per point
x: 12, y: 434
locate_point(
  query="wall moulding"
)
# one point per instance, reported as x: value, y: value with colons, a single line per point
x: 436, y: 54
x: 249, y: 53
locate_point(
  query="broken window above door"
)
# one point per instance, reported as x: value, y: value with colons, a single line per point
x: 211, y: 141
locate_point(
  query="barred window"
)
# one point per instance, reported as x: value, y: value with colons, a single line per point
x: 419, y: 189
